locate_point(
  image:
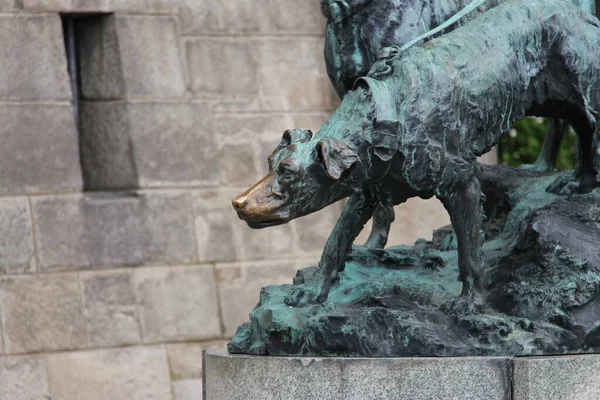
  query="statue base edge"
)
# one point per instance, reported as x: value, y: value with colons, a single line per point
x: 234, y: 376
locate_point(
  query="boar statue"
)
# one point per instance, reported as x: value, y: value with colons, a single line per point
x: 360, y: 31
x: 413, y: 128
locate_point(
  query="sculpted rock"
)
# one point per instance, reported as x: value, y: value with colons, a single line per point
x: 541, y: 282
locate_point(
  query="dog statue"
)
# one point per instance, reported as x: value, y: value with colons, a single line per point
x: 415, y: 127
x: 358, y: 33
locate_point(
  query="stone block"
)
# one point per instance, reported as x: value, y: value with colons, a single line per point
x: 139, y: 373
x: 222, y: 66
x: 257, y: 16
x: 185, y: 359
x: 292, y: 75
x: 222, y: 236
x: 236, y: 377
x: 550, y: 378
x: 34, y: 65
x: 136, y: 53
x: 240, y: 284
x: 177, y: 303
x: 39, y: 149
x: 174, y: 144
x: 109, y: 308
x: 286, y: 73
x: 189, y: 389
x: 314, y: 229
x: 100, y: 6
x: 10, y: 5
x: 41, y: 313
x: 17, y: 254
x: 23, y: 379
x: 127, y: 145
x: 103, y: 229
x: 107, y: 152
x: 238, y: 164
x: 101, y: 73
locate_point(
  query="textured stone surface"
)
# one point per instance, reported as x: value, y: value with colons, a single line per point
x: 109, y: 308
x: 135, y: 53
x: 102, y: 6
x: 189, y: 389
x: 177, y: 303
x: 240, y: 283
x: 17, y: 253
x: 286, y: 73
x: 133, y: 374
x: 41, y: 312
x: 52, y: 164
x: 237, y: 164
x: 23, y: 379
x: 99, y: 230
x: 243, y: 377
x: 564, y: 378
x: 264, y: 16
x: 292, y: 75
x: 34, y: 65
x: 222, y: 66
x: 107, y: 152
x: 185, y: 360
x: 127, y: 145
x: 173, y: 144
x: 221, y: 236
x: 100, y: 68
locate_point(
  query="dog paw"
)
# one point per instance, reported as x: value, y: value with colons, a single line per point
x: 566, y: 186
x: 301, y: 297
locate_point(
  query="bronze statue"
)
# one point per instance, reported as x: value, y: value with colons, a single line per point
x: 416, y: 125
x: 358, y: 33
x: 529, y: 271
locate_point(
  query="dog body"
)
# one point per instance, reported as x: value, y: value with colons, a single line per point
x: 359, y: 31
x: 415, y: 126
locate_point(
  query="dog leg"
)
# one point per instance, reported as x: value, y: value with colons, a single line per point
x: 358, y: 211
x: 546, y: 160
x: 382, y: 220
x: 464, y: 204
x: 585, y: 126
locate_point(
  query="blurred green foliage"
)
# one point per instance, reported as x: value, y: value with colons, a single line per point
x: 524, y: 142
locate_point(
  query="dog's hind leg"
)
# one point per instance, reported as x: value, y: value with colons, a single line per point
x: 463, y: 201
x: 585, y: 126
x: 546, y: 161
x: 382, y: 220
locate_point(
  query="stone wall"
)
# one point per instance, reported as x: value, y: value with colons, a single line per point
x: 120, y: 255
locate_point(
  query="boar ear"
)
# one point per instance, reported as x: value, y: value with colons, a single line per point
x: 385, y: 138
x: 336, y: 156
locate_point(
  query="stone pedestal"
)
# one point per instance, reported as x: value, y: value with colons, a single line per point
x: 242, y: 377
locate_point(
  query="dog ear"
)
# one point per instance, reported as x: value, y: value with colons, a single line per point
x: 289, y: 137
x: 385, y: 139
x: 336, y: 157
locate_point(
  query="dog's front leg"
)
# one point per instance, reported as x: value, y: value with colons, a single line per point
x: 358, y: 211
x: 463, y: 203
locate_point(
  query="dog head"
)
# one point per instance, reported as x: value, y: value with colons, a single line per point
x: 304, y: 176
